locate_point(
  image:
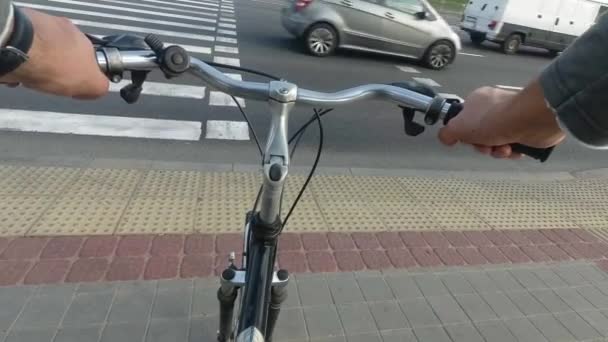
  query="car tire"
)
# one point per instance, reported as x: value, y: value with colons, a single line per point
x: 321, y: 40
x: 512, y: 44
x: 554, y: 53
x: 439, y: 55
x: 477, y: 38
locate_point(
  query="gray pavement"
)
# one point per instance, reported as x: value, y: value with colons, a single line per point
x: 559, y: 302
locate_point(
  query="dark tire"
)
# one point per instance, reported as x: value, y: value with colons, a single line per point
x: 439, y: 55
x: 512, y: 44
x: 554, y: 53
x: 321, y: 40
x: 477, y: 38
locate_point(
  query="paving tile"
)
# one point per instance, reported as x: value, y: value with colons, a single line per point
x: 98, y: 246
x: 524, y: 330
x: 30, y: 335
x: 402, y: 335
x: 203, y: 329
x: 504, y: 280
x: 419, y: 313
x: 430, y: 285
x: 290, y: 325
x: 472, y: 256
x: 13, y: 271
x: 535, y: 253
x: 62, y: 247
x: 554, y: 252
x: 518, y: 237
x: 24, y: 248
x: 79, y: 334
x: 199, y: 244
x: 456, y: 283
x: 314, y: 290
x: 526, y: 303
x: 204, y: 302
x: 132, y: 303
x: 226, y: 243
x: 35, y: 314
x: 329, y: 339
x: 12, y: 300
x: 368, y: 337
x: 528, y: 279
x: 450, y: 256
x: 88, y: 269
x: 163, y: 330
x: 390, y: 240
x: 495, y: 331
x: 475, y: 307
x: 550, y: 278
x: 344, y: 289
x: 551, y: 328
x: 570, y: 276
x: 425, y: 257
x: 315, y: 241
x: 551, y: 300
x: 435, y: 334
x: 594, y: 296
x: 293, y: 297
x: 321, y: 261
x: 388, y: 315
x: 413, y: 239
x: 577, y: 326
x: 481, y: 282
x: 375, y: 260
x: 493, y: 255
x: 88, y: 308
x: 574, y: 299
x: 47, y: 272
x: 356, y: 319
x: 457, y: 239
x: 401, y: 258
x: 169, y: 244
x: 403, y: 286
x: 323, y: 321
x: 592, y: 273
x: 123, y: 332
x: 463, y: 333
x: 497, y: 237
x: 597, y: 320
x: 196, y: 265
x: 126, y: 268
x: 435, y: 239
x: 375, y: 288
x: 447, y: 309
x: 501, y: 305
x: 133, y: 245
x: 366, y: 240
x: 172, y: 304
x: 477, y: 238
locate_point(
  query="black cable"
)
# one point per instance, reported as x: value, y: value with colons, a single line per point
x: 251, y: 71
x: 255, y: 136
x: 312, y: 119
x: 312, y: 170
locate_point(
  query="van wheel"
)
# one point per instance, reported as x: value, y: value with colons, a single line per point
x: 321, y: 40
x: 439, y: 55
x: 477, y: 38
x: 511, y: 45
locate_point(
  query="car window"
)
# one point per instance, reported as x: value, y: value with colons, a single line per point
x: 407, y: 6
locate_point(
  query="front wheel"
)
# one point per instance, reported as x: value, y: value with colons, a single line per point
x: 439, y: 55
x: 511, y: 45
x: 321, y: 40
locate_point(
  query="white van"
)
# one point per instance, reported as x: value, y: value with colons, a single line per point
x: 548, y: 24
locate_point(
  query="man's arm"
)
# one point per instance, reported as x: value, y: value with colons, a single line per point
x: 576, y: 86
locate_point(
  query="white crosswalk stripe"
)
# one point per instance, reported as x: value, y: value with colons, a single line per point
x: 407, y: 69
x: 204, y: 27
x: 427, y: 81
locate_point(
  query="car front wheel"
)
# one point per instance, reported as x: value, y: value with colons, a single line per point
x: 439, y: 55
x: 321, y: 40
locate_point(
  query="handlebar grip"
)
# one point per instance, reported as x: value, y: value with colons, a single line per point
x: 540, y: 154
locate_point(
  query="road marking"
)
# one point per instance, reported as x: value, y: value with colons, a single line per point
x: 228, y: 7
x: 237, y: 77
x: 210, y: 3
x: 227, y: 130
x: 164, y: 89
x: 226, y: 32
x: 271, y: 2
x: 407, y: 69
x: 225, y: 49
x: 142, y: 30
x: 426, y: 81
x: 116, y: 16
x: 85, y: 124
x: 228, y: 20
x: 190, y: 48
x: 470, y: 54
x: 451, y: 96
x: 226, y: 25
x: 508, y: 87
x: 135, y: 10
x: 159, y: 7
x: 217, y: 98
x: 227, y: 60
x: 226, y: 40
x: 226, y: 11
x: 183, y: 5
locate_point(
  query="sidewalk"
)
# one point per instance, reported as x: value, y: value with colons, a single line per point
x: 127, y: 250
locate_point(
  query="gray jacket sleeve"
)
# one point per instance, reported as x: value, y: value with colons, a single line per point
x: 576, y: 86
x: 6, y: 20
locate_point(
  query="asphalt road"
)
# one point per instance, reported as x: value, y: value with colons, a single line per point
x: 361, y: 135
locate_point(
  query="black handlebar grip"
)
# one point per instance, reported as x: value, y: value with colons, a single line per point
x: 540, y: 154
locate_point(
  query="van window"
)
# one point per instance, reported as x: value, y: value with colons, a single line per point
x: 407, y: 6
x: 602, y: 11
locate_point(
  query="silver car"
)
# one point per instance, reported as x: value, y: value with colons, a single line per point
x: 408, y: 28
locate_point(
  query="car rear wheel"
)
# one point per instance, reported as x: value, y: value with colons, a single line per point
x: 511, y: 45
x: 321, y: 40
x: 439, y: 55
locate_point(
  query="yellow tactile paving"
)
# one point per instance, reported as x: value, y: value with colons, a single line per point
x: 60, y: 201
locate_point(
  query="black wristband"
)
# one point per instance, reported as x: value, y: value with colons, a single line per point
x: 15, y: 52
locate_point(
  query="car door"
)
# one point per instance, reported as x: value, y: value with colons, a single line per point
x: 362, y: 22
x: 404, y: 32
x: 562, y: 32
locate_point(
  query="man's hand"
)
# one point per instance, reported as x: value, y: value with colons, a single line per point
x: 62, y: 60
x: 492, y: 119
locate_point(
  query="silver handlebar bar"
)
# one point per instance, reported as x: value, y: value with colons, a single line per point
x: 112, y: 60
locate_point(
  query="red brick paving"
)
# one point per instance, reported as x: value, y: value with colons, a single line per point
x: 104, y: 258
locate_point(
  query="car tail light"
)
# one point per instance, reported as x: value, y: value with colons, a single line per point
x: 302, y: 4
x: 492, y: 25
